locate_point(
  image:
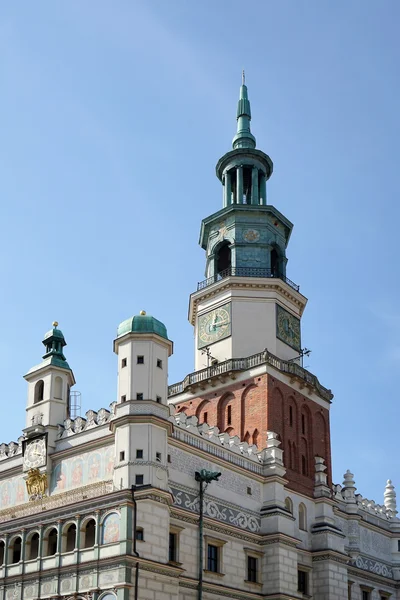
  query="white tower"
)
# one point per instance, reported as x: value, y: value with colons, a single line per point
x: 141, y: 425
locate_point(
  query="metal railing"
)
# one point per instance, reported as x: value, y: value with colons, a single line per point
x: 246, y: 272
x: 241, y: 364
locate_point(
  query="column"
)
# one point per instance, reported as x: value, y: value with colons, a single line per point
x: 263, y: 190
x: 228, y: 189
x: 254, y: 186
x: 239, y: 185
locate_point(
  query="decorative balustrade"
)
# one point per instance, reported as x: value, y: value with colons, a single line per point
x: 246, y: 272
x: 241, y: 364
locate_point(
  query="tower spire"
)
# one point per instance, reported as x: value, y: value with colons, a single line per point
x: 243, y: 138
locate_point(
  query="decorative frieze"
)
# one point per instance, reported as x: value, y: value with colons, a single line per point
x: 373, y: 566
x: 215, y: 509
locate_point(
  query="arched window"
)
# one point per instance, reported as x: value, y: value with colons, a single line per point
x: 90, y: 534
x: 32, y: 546
x: 274, y: 263
x: 224, y: 259
x: 39, y: 391
x: 302, y: 517
x: 229, y: 414
x: 16, y: 550
x: 70, y: 540
x: 58, y: 388
x: 255, y: 437
x: 2, y: 552
x: 304, y: 469
x: 52, y: 538
x: 289, y: 504
x: 247, y: 437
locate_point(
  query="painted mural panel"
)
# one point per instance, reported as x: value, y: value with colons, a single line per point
x: 12, y: 492
x: 89, y: 467
x: 110, y: 529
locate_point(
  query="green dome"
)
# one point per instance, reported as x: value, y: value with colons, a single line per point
x: 142, y: 324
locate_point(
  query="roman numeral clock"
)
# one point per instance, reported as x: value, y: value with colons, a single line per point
x: 214, y: 326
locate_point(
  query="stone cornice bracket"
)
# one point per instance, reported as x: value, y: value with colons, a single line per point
x: 272, y: 456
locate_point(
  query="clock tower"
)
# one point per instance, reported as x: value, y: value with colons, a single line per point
x: 246, y: 304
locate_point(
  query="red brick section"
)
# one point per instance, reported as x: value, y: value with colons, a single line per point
x: 249, y: 409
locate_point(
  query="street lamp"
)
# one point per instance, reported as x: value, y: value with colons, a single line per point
x: 203, y: 477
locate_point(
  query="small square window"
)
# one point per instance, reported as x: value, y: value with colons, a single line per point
x: 159, y: 363
x: 139, y: 453
x: 159, y: 399
x: 140, y: 534
x: 139, y: 479
x: 252, y: 569
x: 158, y: 456
x: 302, y: 581
x: 212, y: 558
x: 121, y: 456
x: 169, y: 458
x: 140, y: 360
x: 139, y: 396
x: 249, y: 491
x: 124, y: 362
x: 123, y: 398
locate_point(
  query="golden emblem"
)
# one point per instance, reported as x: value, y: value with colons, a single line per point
x: 36, y: 484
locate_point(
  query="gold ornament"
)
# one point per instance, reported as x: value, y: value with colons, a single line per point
x: 55, y: 323
x: 36, y: 484
x: 142, y: 313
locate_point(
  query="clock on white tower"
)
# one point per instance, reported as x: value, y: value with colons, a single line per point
x: 35, y: 454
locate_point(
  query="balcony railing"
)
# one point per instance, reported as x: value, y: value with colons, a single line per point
x: 241, y: 364
x: 246, y: 272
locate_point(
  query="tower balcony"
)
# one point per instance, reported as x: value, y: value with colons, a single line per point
x: 246, y: 272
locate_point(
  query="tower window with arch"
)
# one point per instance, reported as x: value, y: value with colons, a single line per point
x: 255, y: 437
x: 223, y: 258
x: 302, y: 517
x: 39, y: 391
x: 58, y: 388
x: 289, y: 505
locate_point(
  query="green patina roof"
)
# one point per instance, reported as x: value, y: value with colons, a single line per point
x: 55, y: 333
x: 142, y: 324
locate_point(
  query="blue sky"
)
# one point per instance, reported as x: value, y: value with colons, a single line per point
x: 113, y: 117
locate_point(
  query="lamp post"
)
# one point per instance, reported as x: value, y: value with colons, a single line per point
x: 203, y: 477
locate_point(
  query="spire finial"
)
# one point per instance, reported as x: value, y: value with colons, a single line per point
x: 243, y: 138
x: 55, y: 323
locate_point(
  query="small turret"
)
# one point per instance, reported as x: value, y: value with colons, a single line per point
x: 49, y: 385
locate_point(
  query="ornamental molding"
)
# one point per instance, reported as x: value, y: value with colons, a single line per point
x: 273, y: 284
x: 280, y: 539
x: 373, y: 566
x: 230, y: 514
x: 332, y: 556
x: 210, y: 526
x: 56, y: 501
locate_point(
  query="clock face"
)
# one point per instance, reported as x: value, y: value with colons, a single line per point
x: 35, y: 454
x: 288, y: 328
x: 214, y: 326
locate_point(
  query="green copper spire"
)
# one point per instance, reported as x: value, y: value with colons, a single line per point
x: 243, y: 138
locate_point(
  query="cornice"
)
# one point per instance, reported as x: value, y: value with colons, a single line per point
x: 234, y: 282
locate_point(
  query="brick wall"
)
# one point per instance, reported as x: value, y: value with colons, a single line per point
x: 249, y: 409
